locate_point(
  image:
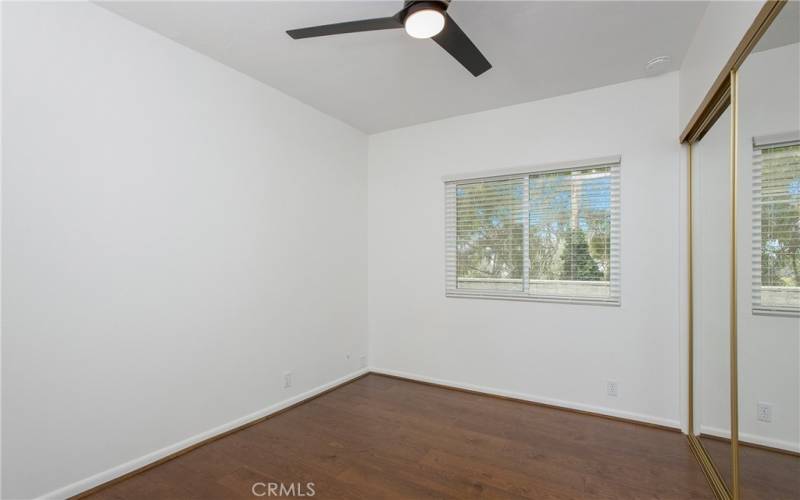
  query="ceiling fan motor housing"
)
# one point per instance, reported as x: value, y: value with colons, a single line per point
x: 412, y: 6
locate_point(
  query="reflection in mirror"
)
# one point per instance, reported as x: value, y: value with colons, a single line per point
x: 711, y: 239
x: 769, y: 263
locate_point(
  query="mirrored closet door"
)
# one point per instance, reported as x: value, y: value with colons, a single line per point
x: 768, y: 226
x: 744, y: 265
x: 711, y: 183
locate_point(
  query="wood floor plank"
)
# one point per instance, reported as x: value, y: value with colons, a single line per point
x: 765, y: 474
x: 384, y: 438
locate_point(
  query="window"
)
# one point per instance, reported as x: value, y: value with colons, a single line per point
x: 776, y: 224
x: 549, y: 235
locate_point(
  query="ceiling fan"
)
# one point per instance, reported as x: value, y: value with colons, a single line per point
x: 421, y: 19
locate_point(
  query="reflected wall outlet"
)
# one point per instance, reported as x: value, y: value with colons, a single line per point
x: 764, y: 412
x: 612, y: 388
x: 287, y: 380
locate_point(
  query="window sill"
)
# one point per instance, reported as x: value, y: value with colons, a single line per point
x: 771, y: 311
x: 592, y: 301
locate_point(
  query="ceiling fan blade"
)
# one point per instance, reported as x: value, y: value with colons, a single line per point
x: 458, y: 44
x: 380, y: 23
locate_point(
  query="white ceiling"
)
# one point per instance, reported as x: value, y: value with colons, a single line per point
x: 785, y: 29
x: 383, y: 80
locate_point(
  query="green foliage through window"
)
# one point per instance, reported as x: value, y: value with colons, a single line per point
x: 780, y: 216
x: 489, y: 229
x: 570, y: 225
x: 561, y: 221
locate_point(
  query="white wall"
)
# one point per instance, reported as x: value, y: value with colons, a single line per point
x: 1, y: 240
x: 175, y: 236
x: 550, y: 352
x: 722, y: 27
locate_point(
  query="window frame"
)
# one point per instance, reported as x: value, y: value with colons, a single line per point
x: 523, y: 173
x: 759, y: 144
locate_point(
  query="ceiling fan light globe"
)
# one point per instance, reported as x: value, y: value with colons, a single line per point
x: 424, y: 23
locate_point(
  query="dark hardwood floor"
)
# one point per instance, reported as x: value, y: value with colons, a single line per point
x: 380, y: 437
x: 720, y: 453
x: 764, y: 474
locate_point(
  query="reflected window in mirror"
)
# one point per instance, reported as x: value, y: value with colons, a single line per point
x: 776, y: 224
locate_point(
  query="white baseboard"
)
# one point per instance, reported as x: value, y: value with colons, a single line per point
x: 137, y: 463
x: 639, y: 417
x: 752, y: 439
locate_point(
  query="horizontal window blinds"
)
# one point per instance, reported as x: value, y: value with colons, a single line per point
x: 776, y: 225
x: 550, y: 235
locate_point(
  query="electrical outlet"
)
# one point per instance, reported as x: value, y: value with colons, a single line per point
x: 764, y: 412
x: 363, y: 361
x: 612, y: 388
x: 287, y: 380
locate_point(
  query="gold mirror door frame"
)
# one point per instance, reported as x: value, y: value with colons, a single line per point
x: 727, y: 98
x: 723, y: 93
